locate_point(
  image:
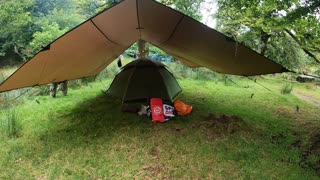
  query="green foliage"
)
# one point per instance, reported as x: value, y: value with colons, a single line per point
x: 286, y: 89
x: 8, y: 116
x: 190, y: 8
x: 91, y: 7
x: 284, y: 50
x: 132, y: 50
x: 181, y: 71
x: 43, y: 8
x: 66, y: 19
x: 51, y: 21
x: 109, y: 73
x: 42, y: 38
x: 15, y: 21
x: 178, y: 69
x: 154, y: 50
x: 29, y: 25
x: 307, y: 32
x: 8, y: 123
x: 270, y: 28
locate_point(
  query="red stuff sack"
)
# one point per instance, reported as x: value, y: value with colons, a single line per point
x: 156, y: 106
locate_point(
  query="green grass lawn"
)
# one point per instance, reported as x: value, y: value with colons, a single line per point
x: 85, y: 135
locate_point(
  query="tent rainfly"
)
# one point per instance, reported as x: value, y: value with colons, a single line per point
x: 143, y: 79
x: 88, y: 48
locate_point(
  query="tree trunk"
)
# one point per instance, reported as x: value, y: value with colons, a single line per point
x: 16, y: 50
x: 143, y: 49
x: 264, y: 39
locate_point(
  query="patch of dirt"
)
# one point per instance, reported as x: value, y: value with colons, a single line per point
x: 154, y: 152
x: 296, y: 145
x: 305, y: 124
x: 289, y: 112
x: 310, y: 98
x: 179, y: 130
x: 153, y: 170
x: 301, y: 117
x: 220, y: 126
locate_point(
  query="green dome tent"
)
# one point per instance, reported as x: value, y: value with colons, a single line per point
x: 143, y: 79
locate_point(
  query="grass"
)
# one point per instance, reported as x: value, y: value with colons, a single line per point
x: 6, y: 72
x: 8, y: 124
x: 84, y: 135
x: 286, y: 89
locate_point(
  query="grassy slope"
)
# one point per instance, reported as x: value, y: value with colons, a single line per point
x: 86, y: 135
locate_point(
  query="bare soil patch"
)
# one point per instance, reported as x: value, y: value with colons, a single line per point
x: 310, y: 98
x: 221, y: 126
x: 304, y: 121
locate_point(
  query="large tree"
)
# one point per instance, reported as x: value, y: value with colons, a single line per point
x: 188, y: 7
x: 28, y: 25
x: 280, y: 30
x: 15, y: 21
x: 91, y: 7
x: 51, y: 22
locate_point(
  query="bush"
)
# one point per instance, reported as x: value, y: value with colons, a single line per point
x: 8, y: 122
x: 288, y: 76
x: 80, y: 82
x: 40, y: 90
x: 181, y: 71
x: 109, y: 72
x: 286, y: 89
x: 1, y: 78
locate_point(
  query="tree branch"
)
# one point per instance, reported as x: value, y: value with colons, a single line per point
x: 303, y: 48
x: 264, y: 39
x: 303, y: 11
x: 16, y: 50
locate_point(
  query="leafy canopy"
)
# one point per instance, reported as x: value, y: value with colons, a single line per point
x: 285, y: 31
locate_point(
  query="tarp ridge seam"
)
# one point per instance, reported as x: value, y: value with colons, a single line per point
x: 95, y: 25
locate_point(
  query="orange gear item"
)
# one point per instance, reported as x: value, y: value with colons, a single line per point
x: 182, y: 108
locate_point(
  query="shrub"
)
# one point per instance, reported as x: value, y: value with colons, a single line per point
x: 1, y: 78
x: 8, y: 122
x: 286, y: 89
x: 181, y: 71
x: 40, y: 90
x: 109, y: 72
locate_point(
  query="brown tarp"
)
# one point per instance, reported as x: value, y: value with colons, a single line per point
x: 93, y: 45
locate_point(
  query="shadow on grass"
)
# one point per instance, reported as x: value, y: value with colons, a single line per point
x: 95, y: 118
x: 100, y: 121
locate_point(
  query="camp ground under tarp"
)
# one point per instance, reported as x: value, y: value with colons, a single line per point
x: 87, y: 49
